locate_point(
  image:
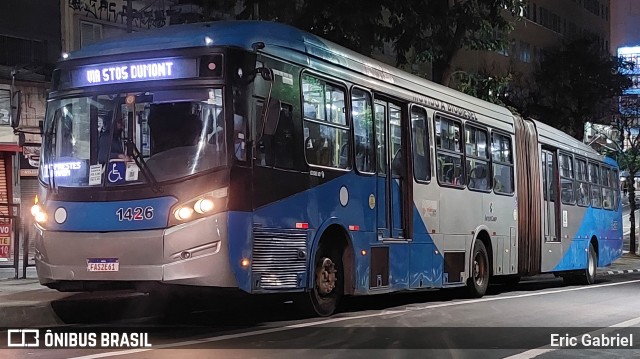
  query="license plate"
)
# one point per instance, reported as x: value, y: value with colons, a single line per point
x: 102, y: 265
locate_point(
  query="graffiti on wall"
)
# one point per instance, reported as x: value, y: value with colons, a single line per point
x: 32, y: 107
x: 116, y: 12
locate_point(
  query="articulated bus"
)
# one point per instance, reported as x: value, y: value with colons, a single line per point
x: 255, y: 156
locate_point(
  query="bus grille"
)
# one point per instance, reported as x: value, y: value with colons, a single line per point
x: 279, y: 257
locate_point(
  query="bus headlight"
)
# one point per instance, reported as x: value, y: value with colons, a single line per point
x: 41, y: 217
x: 203, y: 205
x: 200, y: 206
x: 35, y: 209
x: 183, y: 213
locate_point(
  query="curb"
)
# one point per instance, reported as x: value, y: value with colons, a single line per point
x: 622, y: 271
x: 31, y: 315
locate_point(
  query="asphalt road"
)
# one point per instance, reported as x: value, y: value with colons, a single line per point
x: 514, y: 322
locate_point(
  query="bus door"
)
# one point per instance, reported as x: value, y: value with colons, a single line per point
x: 391, y: 178
x: 550, y: 204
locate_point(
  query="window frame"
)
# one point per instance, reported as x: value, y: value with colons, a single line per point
x: 486, y: 159
x: 427, y: 144
x: 592, y: 184
x: 585, y: 180
x: 348, y: 126
x: 353, y: 131
x: 609, y: 171
x: 438, y: 150
x: 572, y: 178
x: 511, y: 164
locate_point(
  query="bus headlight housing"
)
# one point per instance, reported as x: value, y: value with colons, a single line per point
x: 198, y: 207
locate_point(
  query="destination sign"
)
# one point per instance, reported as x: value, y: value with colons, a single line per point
x: 132, y: 71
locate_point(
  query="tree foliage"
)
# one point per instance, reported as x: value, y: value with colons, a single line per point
x: 626, y: 123
x: 419, y: 31
x: 483, y: 85
x: 355, y: 24
x: 575, y: 84
x: 436, y: 30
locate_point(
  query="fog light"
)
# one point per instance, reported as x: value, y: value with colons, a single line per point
x: 183, y: 213
x: 245, y: 262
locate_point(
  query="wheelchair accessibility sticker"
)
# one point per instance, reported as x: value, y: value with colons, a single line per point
x: 116, y: 172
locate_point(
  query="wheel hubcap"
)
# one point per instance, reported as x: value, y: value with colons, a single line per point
x: 479, y: 269
x: 326, y: 276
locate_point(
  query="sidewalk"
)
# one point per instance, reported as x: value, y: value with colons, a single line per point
x: 25, y: 303
x: 628, y: 263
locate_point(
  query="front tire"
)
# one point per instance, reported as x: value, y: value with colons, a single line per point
x: 328, y: 283
x: 479, y: 279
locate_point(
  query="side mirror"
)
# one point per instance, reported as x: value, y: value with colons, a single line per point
x: 16, y: 108
x: 265, y: 72
x: 273, y: 116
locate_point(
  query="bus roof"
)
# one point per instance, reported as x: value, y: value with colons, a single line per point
x: 243, y: 34
x: 277, y: 36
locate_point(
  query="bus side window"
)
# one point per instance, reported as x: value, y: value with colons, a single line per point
x: 363, y: 127
x: 420, y: 144
x: 501, y: 155
x: 449, y: 156
x: 283, y: 139
x: 326, y: 135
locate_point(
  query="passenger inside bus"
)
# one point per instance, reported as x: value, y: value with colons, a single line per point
x: 583, y: 194
x: 105, y: 139
x: 478, y: 177
x: 502, y: 181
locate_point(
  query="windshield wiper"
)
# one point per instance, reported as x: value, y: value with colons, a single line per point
x: 139, y: 160
x: 51, y: 180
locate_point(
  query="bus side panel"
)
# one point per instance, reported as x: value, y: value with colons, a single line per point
x: 316, y: 207
x: 601, y: 224
x: 426, y: 260
x: 239, y: 243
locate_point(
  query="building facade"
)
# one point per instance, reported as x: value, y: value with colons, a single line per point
x: 29, y: 45
x: 87, y: 21
x: 545, y: 24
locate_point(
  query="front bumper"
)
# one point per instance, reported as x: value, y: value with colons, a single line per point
x: 194, y: 253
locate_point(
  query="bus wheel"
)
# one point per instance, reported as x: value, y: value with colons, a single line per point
x: 327, y: 289
x: 479, y: 279
x: 588, y: 276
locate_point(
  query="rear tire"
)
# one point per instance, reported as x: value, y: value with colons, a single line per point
x: 588, y: 276
x: 479, y: 279
x: 328, y: 283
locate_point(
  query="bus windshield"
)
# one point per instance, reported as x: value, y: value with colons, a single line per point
x: 104, y: 140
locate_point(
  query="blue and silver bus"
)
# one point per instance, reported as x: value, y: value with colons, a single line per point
x: 255, y: 156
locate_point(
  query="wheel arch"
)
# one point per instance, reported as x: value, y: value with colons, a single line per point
x: 336, y: 232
